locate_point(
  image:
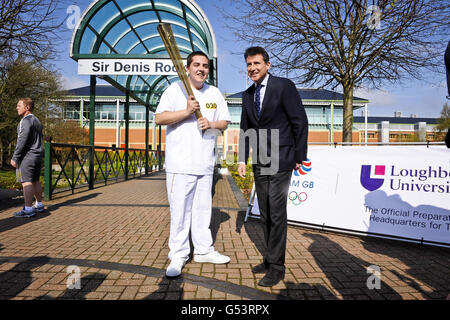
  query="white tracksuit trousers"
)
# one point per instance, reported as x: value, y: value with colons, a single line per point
x: 190, y: 202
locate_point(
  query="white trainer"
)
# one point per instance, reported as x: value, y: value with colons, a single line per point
x: 174, y: 268
x: 212, y: 257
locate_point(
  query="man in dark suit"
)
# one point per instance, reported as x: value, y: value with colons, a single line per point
x: 275, y: 125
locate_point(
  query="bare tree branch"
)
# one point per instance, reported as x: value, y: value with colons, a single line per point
x: 347, y: 43
x: 29, y: 28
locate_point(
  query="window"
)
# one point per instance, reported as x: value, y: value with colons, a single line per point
x: 72, y: 115
x: 104, y: 115
x: 138, y: 116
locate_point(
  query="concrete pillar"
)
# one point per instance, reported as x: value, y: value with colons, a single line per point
x: 366, y: 114
x: 383, y: 131
x: 420, y: 128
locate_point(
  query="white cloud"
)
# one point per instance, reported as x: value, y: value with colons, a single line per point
x: 421, y: 99
x: 376, y: 97
x: 74, y: 82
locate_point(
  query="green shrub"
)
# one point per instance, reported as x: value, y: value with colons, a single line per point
x: 8, y: 180
x: 245, y: 184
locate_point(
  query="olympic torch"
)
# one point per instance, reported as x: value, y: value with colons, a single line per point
x: 165, y: 30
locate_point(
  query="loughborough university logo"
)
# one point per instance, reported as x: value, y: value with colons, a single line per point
x: 372, y: 180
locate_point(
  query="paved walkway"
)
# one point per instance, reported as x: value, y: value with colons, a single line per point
x: 117, y: 237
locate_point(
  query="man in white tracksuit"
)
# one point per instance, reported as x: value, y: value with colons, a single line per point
x: 189, y: 162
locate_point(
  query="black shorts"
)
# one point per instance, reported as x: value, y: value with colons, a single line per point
x: 29, y: 169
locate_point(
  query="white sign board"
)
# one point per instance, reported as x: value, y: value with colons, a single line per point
x: 390, y: 190
x: 126, y: 67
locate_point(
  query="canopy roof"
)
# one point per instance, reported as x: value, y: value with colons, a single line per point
x: 127, y: 29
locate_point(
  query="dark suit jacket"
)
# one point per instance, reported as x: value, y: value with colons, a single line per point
x: 282, y: 109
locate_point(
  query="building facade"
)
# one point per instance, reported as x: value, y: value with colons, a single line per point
x: 324, y: 109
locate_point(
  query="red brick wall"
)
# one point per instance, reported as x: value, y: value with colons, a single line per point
x: 107, y: 137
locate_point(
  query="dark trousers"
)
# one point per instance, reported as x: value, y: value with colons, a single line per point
x: 272, y: 192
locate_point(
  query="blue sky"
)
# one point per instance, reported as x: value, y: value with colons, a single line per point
x: 423, y: 98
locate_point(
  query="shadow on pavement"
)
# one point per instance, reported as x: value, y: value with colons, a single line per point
x: 216, y: 177
x: 305, y: 291
x: 217, y: 218
x: 168, y: 289
x: 426, y: 265
x: 13, y: 222
x: 347, y: 273
x: 14, y: 281
x: 6, y: 204
x: 253, y: 229
x: 88, y: 284
x: 69, y: 202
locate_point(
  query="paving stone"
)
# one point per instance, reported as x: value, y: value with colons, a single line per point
x: 119, y: 233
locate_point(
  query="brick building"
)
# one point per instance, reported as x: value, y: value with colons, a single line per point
x: 323, y: 107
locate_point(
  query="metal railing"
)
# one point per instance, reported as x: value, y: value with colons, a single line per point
x: 69, y: 167
x: 335, y: 144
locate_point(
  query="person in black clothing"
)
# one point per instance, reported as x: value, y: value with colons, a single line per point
x: 270, y: 105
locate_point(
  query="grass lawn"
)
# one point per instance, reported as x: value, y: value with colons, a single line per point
x: 8, y: 180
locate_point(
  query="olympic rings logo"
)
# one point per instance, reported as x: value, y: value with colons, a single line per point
x: 297, y: 198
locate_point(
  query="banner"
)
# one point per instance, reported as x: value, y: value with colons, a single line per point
x: 401, y: 191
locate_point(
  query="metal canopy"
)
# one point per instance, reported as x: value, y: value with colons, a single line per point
x: 127, y: 29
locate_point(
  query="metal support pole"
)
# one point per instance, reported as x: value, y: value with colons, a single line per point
x: 81, y: 112
x: 127, y: 132
x: 159, y: 150
x: 153, y: 136
x: 118, y: 123
x: 366, y: 114
x: 147, y: 126
x: 48, y: 169
x: 332, y: 122
x: 92, y: 131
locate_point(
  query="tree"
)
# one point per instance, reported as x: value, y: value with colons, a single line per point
x: 443, y: 122
x: 67, y: 131
x: 347, y: 43
x: 29, y: 28
x: 18, y: 79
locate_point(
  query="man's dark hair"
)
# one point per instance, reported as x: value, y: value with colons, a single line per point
x: 253, y: 51
x: 196, y: 53
x: 28, y: 102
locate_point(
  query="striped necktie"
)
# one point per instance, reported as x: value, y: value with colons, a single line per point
x: 258, y: 99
